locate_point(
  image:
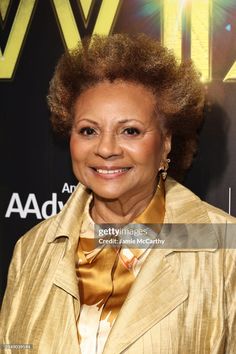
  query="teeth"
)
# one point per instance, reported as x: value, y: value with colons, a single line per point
x: 106, y: 172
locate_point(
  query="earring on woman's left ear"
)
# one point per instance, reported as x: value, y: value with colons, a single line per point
x: 163, y: 169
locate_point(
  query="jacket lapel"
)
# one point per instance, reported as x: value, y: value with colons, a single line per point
x: 65, y: 277
x: 157, y: 291
x: 66, y: 228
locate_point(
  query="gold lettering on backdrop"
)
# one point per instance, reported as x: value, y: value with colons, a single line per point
x: 231, y: 75
x: 103, y: 25
x: 4, y: 5
x: 200, y: 28
x: 200, y: 36
x: 172, y: 25
x: 8, y: 58
x: 86, y: 7
x: 201, y: 12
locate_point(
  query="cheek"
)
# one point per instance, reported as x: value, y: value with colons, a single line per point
x: 72, y: 147
x: 77, y: 149
x: 145, y: 151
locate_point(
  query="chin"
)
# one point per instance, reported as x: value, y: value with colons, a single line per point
x: 107, y: 194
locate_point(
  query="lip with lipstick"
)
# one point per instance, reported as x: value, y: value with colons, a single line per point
x: 110, y: 172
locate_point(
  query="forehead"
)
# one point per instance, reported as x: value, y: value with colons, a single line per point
x: 129, y: 98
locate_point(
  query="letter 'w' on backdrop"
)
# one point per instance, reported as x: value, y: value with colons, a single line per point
x: 10, y: 55
x: 66, y: 20
x: 69, y: 29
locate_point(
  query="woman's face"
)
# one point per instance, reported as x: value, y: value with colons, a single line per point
x: 116, y: 143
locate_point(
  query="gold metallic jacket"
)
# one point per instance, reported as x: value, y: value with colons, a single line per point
x: 183, y: 300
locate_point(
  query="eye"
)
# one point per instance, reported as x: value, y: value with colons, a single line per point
x: 131, y: 131
x: 87, y: 131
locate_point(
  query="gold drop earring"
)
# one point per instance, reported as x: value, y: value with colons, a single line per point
x: 163, y: 169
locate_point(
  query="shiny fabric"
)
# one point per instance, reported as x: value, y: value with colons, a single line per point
x: 105, y: 275
x: 182, y: 301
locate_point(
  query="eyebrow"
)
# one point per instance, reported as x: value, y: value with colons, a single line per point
x: 130, y: 120
x: 119, y: 122
x: 87, y: 120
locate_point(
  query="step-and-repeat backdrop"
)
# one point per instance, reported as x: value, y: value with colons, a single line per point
x: 36, y: 177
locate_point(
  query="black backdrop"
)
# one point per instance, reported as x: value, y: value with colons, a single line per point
x: 36, y: 169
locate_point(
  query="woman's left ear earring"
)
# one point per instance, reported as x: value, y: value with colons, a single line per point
x: 163, y: 169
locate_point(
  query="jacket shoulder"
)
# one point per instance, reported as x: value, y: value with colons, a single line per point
x: 217, y: 215
x: 187, y: 207
x: 34, y: 239
x: 38, y: 230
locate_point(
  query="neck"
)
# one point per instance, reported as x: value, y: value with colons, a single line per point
x: 122, y: 210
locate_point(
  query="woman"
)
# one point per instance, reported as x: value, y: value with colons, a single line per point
x: 129, y: 109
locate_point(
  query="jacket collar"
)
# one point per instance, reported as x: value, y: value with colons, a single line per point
x: 188, y: 221
x: 68, y: 221
x: 182, y: 207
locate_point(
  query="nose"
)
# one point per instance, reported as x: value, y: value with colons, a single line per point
x: 108, y: 146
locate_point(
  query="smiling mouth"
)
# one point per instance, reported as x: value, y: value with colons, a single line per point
x: 111, y: 171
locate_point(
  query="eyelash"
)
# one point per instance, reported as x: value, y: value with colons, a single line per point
x: 137, y: 131
x: 127, y: 131
x: 84, y: 131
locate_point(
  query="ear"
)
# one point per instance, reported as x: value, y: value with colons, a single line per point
x: 166, y: 146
